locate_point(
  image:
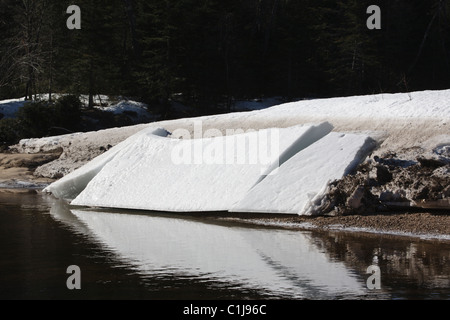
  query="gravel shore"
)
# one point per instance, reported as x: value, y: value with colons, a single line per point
x: 433, y: 225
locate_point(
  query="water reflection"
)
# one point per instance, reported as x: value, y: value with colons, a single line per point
x: 276, y: 262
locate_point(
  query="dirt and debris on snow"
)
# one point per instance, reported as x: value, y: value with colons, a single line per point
x: 389, y: 182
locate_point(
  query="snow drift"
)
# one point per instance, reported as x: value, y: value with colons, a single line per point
x: 408, y: 124
x: 149, y: 172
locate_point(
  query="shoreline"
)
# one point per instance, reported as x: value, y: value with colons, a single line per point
x: 19, y: 175
x: 417, y: 224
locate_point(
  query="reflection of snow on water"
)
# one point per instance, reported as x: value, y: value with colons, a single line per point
x: 409, y: 268
x: 276, y: 261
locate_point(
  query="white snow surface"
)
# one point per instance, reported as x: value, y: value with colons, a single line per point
x: 303, y: 179
x: 401, y: 121
x: 145, y: 172
x: 134, y: 109
x: 10, y: 107
x: 75, y: 182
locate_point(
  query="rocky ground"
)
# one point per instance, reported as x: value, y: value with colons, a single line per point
x: 391, y: 183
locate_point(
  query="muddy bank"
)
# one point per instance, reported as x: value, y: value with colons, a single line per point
x: 17, y: 170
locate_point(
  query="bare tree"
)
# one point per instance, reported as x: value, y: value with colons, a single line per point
x: 23, y: 57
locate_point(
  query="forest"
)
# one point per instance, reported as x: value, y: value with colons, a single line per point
x: 207, y: 53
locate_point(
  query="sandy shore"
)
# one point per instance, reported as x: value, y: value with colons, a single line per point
x: 17, y: 170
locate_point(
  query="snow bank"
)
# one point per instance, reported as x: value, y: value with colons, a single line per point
x: 303, y: 179
x: 405, y: 121
x: 414, y: 105
x: 161, y: 174
x: 9, y: 108
x: 136, y: 110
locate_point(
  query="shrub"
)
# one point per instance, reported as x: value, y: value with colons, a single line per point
x: 35, y: 119
x: 38, y: 119
x: 68, y: 112
x: 9, y: 132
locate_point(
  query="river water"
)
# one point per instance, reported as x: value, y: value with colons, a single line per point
x: 147, y: 255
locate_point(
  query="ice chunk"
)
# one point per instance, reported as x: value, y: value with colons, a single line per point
x: 213, y: 174
x: 74, y: 183
x: 305, y: 176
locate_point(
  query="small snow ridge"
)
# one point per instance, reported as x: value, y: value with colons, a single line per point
x: 132, y: 109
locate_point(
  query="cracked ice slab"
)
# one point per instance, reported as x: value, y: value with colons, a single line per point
x: 70, y: 186
x: 301, y: 183
x: 150, y: 172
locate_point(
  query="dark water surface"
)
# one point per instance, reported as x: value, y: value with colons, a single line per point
x: 135, y: 255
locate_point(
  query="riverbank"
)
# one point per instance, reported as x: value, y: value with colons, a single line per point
x: 428, y: 225
x: 17, y: 170
x: 17, y: 175
x: 402, y: 187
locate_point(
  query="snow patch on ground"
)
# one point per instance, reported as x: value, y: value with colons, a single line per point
x: 9, y: 108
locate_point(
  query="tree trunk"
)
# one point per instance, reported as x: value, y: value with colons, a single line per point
x: 91, y: 84
x: 131, y: 15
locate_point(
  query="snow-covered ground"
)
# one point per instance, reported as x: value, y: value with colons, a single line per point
x: 138, y: 111
x: 10, y: 107
x: 408, y: 124
x: 133, y: 109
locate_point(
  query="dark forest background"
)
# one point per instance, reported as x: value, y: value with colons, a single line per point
x: 209, y: 52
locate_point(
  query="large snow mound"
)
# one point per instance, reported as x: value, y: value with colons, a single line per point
x: 303, y: 179
x: 212, y: 174
x: 414, y: 105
